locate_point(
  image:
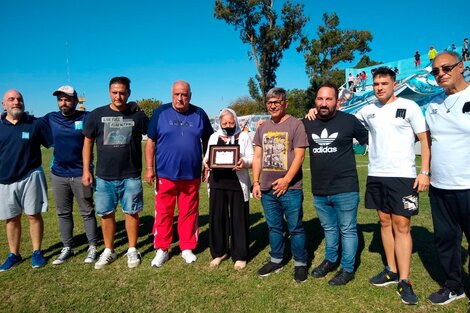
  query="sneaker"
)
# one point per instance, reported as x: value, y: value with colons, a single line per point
x: 406, y: 293
x: 65, y: 254
x: 91, y: 255
x: 341, y: 277
x: 324, y: 268
x: 160, y: 258
x: 445, y: 296
x: 188, y: 256
x: 37, y: 259
x: 133, y: 258
x: 300, y: 274
x: 384, y: 278
x: 11, y: 261
x: 269, y: 268
x: 106, y: 258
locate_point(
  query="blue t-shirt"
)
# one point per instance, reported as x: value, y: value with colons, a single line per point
x: 68, y: 143
x: 20, y: 146
x: 178, y: 138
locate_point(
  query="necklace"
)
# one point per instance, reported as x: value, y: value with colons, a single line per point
x: 448, y: 108
x: 181, y: 123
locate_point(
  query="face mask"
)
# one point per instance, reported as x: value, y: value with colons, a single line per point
x: 229, y: 131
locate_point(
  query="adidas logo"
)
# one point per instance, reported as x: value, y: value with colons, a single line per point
x: 323, y: 141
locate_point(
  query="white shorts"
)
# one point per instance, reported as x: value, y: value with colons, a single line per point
x: 28, y: 195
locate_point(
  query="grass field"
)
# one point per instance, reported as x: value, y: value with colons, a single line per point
x: 178, y: 287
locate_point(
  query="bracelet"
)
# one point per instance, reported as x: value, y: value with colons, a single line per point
x: 425, y: 173
x: 149, y: 167
x: 256, y: 182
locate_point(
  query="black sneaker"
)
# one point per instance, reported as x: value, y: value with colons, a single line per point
x: 406, y: 293
x: 445, y: 296
x: 324, y: 268
x: 269, y: 268
x: 384, y: 278
x: 300, y: 274
x: 341, y: 278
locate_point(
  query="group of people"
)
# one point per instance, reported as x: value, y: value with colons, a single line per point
x: 354, y: 83
x: 180, y: 139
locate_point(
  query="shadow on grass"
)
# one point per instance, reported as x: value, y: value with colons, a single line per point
x: 423, y: 246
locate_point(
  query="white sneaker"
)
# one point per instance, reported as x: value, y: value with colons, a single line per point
x: 160, y: 258
x: 106, y: 258
x: 65, y: 254
x: 91, y: 255
x: 133, y: 258
x: 188, y: 256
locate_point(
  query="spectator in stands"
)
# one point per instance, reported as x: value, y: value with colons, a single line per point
x: 350, y: 82
x: 432, y: 53
x: 465, y: 52
x: 417, y: 59
x: 363, y: 80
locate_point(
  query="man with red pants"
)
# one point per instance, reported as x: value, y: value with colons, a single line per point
x: 177, y: 136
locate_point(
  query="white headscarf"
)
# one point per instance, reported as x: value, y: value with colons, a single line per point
x: 222, y: 133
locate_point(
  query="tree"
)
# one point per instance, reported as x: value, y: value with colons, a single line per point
x: 256, y: 20
x: 245, y: 106
x: 148, y: 106
x: 299, y: 102
x: 365, y: 61
x: 333, y: 46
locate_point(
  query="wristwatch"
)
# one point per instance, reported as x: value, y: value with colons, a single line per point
x: 425, y: 173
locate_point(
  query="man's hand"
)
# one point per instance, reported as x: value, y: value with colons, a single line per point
x: 311, y: 114
x: 149, y: 175
x: 87, y: 178
x: 280, y: 187
x: 421, y: 183
x: 257, y: 191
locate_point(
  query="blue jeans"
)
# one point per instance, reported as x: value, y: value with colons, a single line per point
x: 109, y: 192
x: 338, y: 214
x: 289, y: 205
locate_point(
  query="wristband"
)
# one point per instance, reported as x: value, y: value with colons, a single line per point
x: 425, y: 173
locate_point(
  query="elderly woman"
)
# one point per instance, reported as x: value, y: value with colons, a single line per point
x: 229, y: 192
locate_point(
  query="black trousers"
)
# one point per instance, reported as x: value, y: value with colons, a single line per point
x: 451, y: 217
x: 228, y: 224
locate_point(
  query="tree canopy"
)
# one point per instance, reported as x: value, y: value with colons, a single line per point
x: 333, y: 46
x: 257, y: 22
x: 148, y: 106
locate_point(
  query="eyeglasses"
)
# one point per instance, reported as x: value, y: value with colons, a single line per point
x: 445, y: 69
x: 276, y: 103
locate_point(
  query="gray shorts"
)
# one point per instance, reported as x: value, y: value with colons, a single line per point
x: 28, y: 195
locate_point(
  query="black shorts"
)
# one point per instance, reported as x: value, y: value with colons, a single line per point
x: 394, y: 195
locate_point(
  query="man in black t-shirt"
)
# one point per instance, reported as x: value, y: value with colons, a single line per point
x: 335, y: 185
x: 117, y: 129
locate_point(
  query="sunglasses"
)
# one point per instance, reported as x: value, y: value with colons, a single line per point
x: 445, y: 69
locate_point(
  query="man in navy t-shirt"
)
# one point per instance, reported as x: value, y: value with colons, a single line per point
x: 23, y: 185
x: 66, y: 173
x: 178, y: 134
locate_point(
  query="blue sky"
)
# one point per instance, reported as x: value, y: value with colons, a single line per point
x: 155, y: 43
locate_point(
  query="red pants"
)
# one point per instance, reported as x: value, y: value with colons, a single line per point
x: 186, y: 192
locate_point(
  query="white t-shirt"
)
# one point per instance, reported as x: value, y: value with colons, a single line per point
x: 450, y: 140
x: 392, y: 128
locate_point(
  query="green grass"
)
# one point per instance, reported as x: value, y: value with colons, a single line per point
x: 177, y: 287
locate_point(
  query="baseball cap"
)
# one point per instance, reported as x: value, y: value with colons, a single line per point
x: 68, y: 90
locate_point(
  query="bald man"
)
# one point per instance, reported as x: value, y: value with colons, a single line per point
x: 23, y: 187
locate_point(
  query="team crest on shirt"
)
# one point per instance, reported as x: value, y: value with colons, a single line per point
x: 78, y: 125
x: 372, y: 115
x: 433, y: 111
x: 410, y: 202
x: 25, y: 135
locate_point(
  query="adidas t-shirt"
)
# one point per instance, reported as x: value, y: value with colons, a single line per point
x: 332, y: 161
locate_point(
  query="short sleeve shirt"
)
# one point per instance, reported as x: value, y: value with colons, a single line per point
x: 20, y: 146
x: 278, y: 142
x: 118, y: 138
